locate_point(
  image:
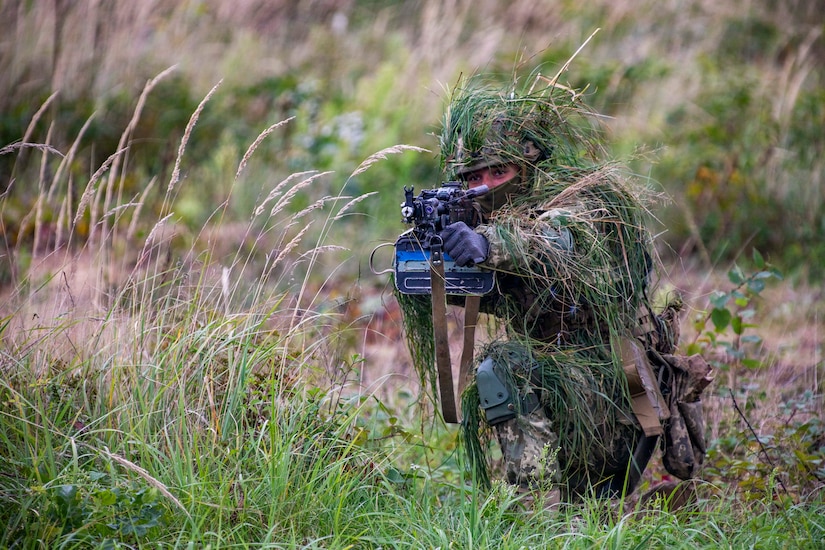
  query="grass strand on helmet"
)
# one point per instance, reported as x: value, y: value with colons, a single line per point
x: 483, y: 126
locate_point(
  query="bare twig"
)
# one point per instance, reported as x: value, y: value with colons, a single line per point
x: 761, y: 446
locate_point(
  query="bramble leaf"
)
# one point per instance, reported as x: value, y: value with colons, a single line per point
x: 721, y: 318
x: 758, y: 260
x: 736, y: 276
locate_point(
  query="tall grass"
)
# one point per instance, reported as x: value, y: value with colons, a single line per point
x: 171, y: 384
x: 143, y: 394
x: 208, y: 400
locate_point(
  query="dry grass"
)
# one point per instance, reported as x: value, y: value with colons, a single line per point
x: 129, y: 43
x: 93, y: 49
x: 789, y: 319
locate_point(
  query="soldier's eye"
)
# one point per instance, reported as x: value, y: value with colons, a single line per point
x: 501, y: 171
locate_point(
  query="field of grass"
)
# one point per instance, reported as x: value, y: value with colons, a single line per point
x: 194, y: 353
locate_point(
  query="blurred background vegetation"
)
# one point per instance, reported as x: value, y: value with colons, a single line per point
x: 720, y: 104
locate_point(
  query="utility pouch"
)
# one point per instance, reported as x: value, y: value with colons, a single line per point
x: 685, y: 445
x: 646, y: 399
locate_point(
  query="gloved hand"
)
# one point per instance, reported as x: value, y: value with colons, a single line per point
x: 464, y: 245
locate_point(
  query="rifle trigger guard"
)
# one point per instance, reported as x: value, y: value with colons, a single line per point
x: 372, y: 257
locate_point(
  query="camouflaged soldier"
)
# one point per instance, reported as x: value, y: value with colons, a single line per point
x: 576, y: 385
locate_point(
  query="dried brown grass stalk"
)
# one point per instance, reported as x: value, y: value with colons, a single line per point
x: 155, y: 228
x: 289, y: 195
x: 41, y: 196
x: 277, y: 190
x: 90, y: 187
x: 321, y: 249
x: 67, y: 160
x: 130, y: 233
x: 129, y: 465
x: 574, y: 190
x: 185, y: 139
x: 118, y: 208
x: 151, y: 237
x: 36, y: 118
x: 314, y: 206
x: 555, y: 79
x: 122, y: 144
x: 257, y: 142
x: 383, y: 154
x: 24, y: 145
x: 351, y: 203
x: 63, y: 213
x: 291, y: 245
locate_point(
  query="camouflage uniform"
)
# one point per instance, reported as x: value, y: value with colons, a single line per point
x: 530, y: 442
x: 573, y: 261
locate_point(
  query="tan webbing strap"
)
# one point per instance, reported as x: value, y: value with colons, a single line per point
x: 471, y: 305
x: 645, y: 398
x: 442, y: 347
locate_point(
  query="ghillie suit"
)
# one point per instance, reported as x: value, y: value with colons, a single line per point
x: 579, y: 390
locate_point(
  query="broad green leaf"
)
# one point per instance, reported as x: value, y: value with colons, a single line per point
x: 736, y: 324
x: 66, y: 493
x: 96, y: 476
x: 720, y: 317
x: 758, y: 260
x: 106, y: 498
x: 719, y: 299
x: 756, y: 285
x: 736, y: 276
x: 752, y: 363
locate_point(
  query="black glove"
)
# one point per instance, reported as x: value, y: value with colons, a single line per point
x: 464, y: 245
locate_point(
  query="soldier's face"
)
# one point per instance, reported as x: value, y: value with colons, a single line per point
x: 491, y: 176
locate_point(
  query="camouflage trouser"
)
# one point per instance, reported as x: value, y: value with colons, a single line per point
x: 532, y: 458
x: 529, y: 447
x: 534, y: 455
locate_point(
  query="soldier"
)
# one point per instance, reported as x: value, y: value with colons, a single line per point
x: 572, y: 384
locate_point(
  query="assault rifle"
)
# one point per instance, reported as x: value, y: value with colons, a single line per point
x: 421, y: 266
x: 417, y: 249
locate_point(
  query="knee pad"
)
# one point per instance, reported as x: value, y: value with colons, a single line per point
x: 495, y: 397
x: 493, y: 394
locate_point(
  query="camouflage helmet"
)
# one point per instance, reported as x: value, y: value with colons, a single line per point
x: 499, y: 146
x: 483, y: 127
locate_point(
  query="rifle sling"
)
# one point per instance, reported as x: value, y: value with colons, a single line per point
x: 471, y: 306
x: 442, y: 347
